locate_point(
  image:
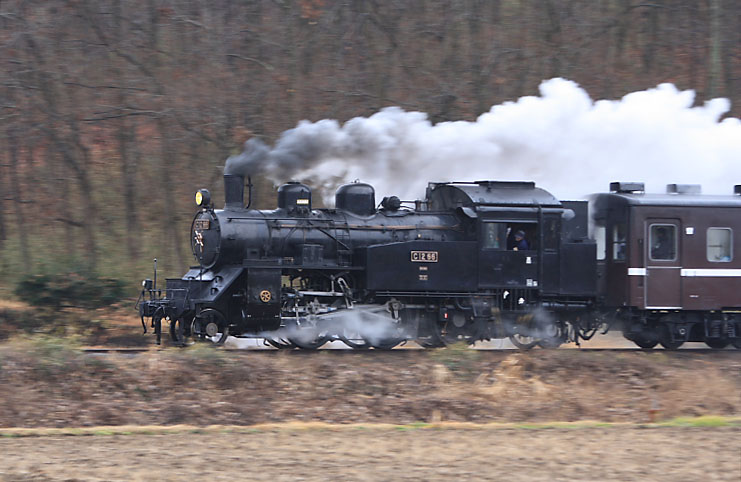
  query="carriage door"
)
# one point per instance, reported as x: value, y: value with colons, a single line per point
x: 663, y: 263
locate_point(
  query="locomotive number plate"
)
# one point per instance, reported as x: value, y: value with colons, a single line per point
x: 424, y: 256
x: 202, y: 224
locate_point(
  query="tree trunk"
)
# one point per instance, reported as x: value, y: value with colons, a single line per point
x: 715, y: 67
x: 3, y: 197
x: 16, y: 193
x: 172, y: 228
x: 125, y: 136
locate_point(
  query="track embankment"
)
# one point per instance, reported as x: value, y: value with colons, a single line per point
x: 52, y: 385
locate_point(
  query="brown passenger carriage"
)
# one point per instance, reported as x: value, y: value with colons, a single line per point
x: 670, y: 264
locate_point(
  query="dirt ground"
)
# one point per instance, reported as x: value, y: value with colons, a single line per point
x: 613, y: 453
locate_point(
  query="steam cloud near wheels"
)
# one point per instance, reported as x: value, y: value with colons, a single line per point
x: 562, y: 139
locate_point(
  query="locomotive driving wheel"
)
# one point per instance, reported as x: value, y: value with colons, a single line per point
x: 308, y: 337
x: 310, y: 340
x: 353, y: 339
x: 280, y: 343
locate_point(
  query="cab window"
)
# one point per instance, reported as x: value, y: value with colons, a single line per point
x: 599, y: 237
x: 493, y: 235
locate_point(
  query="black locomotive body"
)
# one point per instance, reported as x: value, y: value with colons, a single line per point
x: 472, y: 261
x: 446, y: 270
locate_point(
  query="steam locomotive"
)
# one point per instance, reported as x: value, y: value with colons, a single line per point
x: 453, y: 267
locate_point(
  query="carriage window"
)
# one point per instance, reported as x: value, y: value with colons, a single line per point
x: 618, y: 242
x: 663, y: 242
x: 719, y: 243
x: 599, y: 236
x: 493, y: 235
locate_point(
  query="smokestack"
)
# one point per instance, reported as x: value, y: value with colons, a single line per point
x: 233, y: 191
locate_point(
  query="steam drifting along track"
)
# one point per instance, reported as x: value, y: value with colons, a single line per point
x: 336, y: 348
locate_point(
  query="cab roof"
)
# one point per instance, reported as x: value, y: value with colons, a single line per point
x: 452, y: 195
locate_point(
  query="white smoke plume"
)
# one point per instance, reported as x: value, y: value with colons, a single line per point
x: 563, y: 140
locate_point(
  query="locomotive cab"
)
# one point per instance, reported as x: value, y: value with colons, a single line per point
x: 518, y: 231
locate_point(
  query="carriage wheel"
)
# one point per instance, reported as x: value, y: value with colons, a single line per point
x: 671, y: 344
x: 645, y: 343
x: 716, y: 343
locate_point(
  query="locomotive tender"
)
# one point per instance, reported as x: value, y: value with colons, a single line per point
x: 450, y: 269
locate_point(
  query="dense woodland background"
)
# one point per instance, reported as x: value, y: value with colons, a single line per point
x: 114, y: 112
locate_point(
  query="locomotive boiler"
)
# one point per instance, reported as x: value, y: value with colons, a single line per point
x: 447, y: 268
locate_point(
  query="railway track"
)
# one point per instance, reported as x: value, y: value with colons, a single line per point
x: 399, y: 350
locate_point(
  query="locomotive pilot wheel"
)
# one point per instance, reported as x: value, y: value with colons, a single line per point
x: 179, y: 330
x: 213, y: 325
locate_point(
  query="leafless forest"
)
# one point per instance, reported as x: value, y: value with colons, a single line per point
x: 114, y: 112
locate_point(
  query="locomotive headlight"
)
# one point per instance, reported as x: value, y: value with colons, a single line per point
x: 203, y: 197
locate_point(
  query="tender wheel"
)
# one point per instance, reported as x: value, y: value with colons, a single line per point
x: 213, y: 326
x: 553, y: 336
x: 458, y: 328
x: 430, y: 342
x: 736, y: 343
x: 523, y: 342
x: 716, y: 343
x: 386, y: 343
